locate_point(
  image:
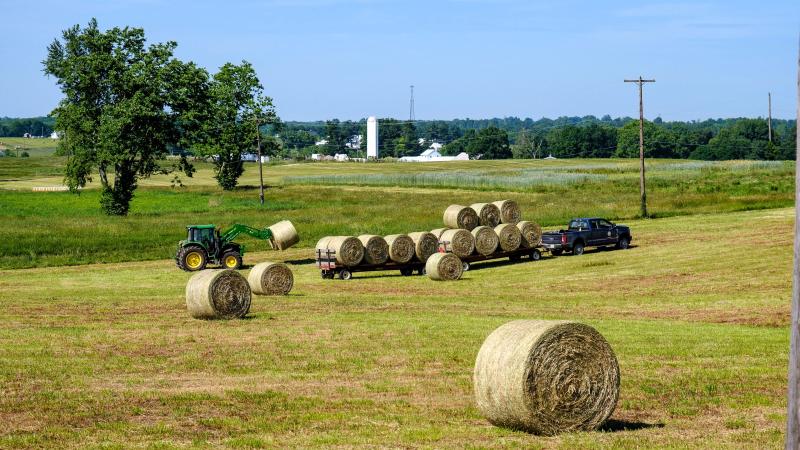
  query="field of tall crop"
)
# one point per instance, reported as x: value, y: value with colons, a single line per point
x: 97, y: 349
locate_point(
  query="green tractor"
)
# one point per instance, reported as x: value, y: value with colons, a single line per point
x: 206, y: 243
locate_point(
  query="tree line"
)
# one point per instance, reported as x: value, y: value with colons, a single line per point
x: 580, y: 137
x: 19, y: 127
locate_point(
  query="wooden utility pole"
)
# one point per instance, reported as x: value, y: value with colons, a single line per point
x: 769, y: 116
x: 793, y: 416
x: 260, y: 164
x: 642, y: 190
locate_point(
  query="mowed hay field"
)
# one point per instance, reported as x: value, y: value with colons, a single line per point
x: 105, y: 355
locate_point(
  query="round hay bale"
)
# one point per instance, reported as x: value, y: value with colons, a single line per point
x: 461, y: 242
x: 349, y: 250
x: 218, y: 294
x: 546, y: 377
x: 509, y: 236
x: 488, y: 213
x: 509, y: 211
x: 438, y: 232
x: 425, y: 244
x: 531, y: 233
x: 376, y: 250
x: 444, y: 267
x: 401, y: 248
x: 284, y: 235
x: 457, y: 216
x: 486, y: 240
x: 270, y: 278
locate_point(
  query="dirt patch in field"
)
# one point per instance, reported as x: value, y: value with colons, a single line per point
x: 776, y: 316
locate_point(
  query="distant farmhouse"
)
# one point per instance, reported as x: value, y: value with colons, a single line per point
x: 432, y: 154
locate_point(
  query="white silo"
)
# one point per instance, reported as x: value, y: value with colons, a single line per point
x: 372, y: 138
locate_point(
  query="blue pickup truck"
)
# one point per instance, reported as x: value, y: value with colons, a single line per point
x: 587, y: 232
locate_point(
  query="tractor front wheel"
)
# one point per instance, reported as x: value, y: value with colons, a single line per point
x: 232, y: 260
x: 192, y: 258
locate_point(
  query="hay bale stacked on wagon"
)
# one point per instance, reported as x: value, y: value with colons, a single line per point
x: 531, y: 233
x: 546, y: 377
x: 488, y: 213
x: 270, y: 278
x: 349, y: 250
x: 218, y: 294
x: 401, y: 248
x: 486, y: 240
x: 508, y: 236
x: 376, y: 250
x: 460, y: 242
x: 457, y: 216
x: 425, y: 244
x: 509, y: 211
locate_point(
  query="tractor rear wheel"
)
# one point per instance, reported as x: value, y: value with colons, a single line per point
x: 192, y: 258
x: 232, y: 260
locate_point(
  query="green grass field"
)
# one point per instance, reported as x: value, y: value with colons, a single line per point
x: 57, y: 228
x: 34, y: 147
x: 104, y: 354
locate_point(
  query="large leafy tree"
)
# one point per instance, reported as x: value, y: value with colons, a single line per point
x: 236, y: 111
x: 125, y: 103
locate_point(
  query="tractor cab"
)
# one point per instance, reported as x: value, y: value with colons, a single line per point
x: 203, y: 235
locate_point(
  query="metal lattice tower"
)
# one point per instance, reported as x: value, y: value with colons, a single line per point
x: 411, y: 106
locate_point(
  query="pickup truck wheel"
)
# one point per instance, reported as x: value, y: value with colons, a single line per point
x: 557, y: 252
x: 577, y: 249
x: 624, y: 243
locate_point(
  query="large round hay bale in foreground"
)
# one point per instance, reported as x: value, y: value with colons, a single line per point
x: 218, y: 294
x: 509, y: 236
x: 531, y: 233
x: 444, y: 267
x: 460, y: 242
x: 349, y: 250
x: 457, y: 216
x: 486, y: 240
x: 425, y: 244
x: 488, y: 213
x: 438, y: 232
x: 376, y: 250
x: 546, y: 377
x: 270, y: 278
x: 284, y: 235
x: 509, y: 211
x: 401, y: 248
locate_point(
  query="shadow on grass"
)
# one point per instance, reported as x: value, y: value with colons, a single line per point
x: 295, y: 262
x: 487, y: 264
x: 625, y: 425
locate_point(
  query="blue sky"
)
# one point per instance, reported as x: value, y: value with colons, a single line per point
x: 349, y: 59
